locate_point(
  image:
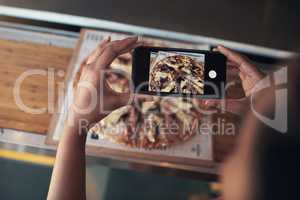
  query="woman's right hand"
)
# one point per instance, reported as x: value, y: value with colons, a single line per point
x: 248, y: 72
x: 249, y: 75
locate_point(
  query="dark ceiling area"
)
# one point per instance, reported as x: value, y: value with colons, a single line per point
x: 270, y: 23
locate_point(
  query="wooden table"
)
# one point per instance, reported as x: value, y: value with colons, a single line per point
x: 16, y: 58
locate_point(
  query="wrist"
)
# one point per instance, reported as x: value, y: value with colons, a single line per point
x: 77, y: 122
x: 74, y: 135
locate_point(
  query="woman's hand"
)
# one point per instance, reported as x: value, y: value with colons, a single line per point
x: 249, y: 75
x: 68, y: 182
x: 248, y: 72
x: 93, y: 98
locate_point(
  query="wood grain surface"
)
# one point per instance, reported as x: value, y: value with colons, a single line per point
x: 17, y: 58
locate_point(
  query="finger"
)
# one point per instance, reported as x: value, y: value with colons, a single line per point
x: 242, y: 62
x: 215, y: 49
x: 211, y: 102
x: 231, y: 64
x: 144, y: 97
x: 138, y: 43
x: 144, y: 42
x: 97, y: 52
x: 232, y: 55
x: 78, y: 75
x: 125, y: 56
x: 104, y: 42
x: 114, y: 49
x: 82, y: 65
x: 124, y: 98
x: 242, y: 76
x: 141, y: 42
x: 136, y: 38
x: 131, y: 48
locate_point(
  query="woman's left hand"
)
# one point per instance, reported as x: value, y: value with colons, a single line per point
x: 93, y: 97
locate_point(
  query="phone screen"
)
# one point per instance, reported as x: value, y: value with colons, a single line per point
x: 163, y: 71
x: 176, y: 72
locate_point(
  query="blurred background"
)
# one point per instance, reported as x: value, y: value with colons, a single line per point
x: 25, y: 171
x: 271, y: 23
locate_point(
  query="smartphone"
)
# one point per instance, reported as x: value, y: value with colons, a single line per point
x: 178, y: 72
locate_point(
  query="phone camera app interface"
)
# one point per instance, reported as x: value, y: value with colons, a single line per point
x: 176, y: 72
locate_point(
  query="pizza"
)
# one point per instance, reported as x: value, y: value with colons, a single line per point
x: 177, y: 74
x: 118, y: 78
x: 153, y: 124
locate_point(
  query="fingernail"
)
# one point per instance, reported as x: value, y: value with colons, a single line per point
x: 215, y: 49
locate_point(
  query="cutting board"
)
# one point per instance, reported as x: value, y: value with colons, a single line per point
x: 17, y: 58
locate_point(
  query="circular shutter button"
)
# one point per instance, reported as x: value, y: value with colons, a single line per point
x: 212, y: 74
